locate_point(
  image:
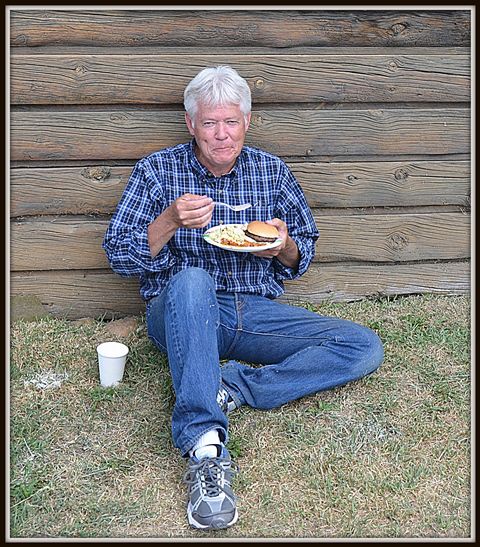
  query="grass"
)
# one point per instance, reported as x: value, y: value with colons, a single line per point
x: 386, y: 457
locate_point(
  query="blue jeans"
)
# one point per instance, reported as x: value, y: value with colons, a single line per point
x: 301, y: 352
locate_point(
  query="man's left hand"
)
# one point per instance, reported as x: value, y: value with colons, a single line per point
x: 283, y: 232
x: 287, y: 252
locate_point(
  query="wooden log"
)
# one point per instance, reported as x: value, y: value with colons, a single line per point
x: 66, y: 190
x: 96, y: 78
x: 384, y: 184
x: 125, y: 134
x: 351, y: 282
x: 97, y: 189
x: 57, y: 244
x: 226, y: 28
x: 393, y: 238
x: 76, y: 294
x: 75, y: 243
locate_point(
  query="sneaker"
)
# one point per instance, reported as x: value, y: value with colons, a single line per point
x: 226, y: 403
x: 212, y: 503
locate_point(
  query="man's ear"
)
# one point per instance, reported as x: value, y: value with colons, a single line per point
x: 189, y: 123
x: 247, y: 120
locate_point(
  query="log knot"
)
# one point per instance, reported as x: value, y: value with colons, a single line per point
x: 393, y: 66
x: 80, y: 70
x: 96, y: 173
x: 401, y: 174
x: 20, y: 40
x: 398, y: 28
x: 397, y: 241
x: 119, y: 117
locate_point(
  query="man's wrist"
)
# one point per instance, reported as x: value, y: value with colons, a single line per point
x: 160, y: 231
x: 290, y: 255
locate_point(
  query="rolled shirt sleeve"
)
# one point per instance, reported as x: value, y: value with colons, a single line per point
x: 126, y: 239
x: 293, y: 209
x: 307, y: 252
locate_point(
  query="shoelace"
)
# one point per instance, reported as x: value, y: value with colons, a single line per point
x: 225, y: 402
x: 222, y: 396
x: 210, y: 470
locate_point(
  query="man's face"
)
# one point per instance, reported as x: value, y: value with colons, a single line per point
x: 219, y: 133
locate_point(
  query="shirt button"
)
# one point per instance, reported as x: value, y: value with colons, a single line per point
x: 229, y: 273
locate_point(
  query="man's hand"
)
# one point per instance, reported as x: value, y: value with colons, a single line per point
x: 187, y: 211
x: 287, y: 252
x: 191, y: 211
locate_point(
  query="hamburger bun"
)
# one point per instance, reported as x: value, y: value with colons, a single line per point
x: 262, y: 232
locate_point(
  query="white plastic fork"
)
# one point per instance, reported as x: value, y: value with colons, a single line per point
x: 236, y: 208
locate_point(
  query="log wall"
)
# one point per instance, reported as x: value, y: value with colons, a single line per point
x: 370, y: 109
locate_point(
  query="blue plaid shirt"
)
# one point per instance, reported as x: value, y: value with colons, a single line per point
x: 160, y: 178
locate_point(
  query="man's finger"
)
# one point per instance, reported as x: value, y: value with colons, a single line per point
x: 192, y: 202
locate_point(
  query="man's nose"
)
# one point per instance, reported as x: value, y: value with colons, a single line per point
x: 221, y: 132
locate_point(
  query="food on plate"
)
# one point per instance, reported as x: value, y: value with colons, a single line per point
x: 233, y: 236
x: 236, y: 235
x: 262, y: 232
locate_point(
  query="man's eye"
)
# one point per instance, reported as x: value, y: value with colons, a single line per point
x: 232, y: 122
x: 208, y: 124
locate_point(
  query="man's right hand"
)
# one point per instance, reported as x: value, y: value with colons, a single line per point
x: 187, y: 211
x: 191, y: 211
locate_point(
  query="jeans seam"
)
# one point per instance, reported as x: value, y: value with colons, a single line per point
x: 171, y: 303
x: 286, y: 336
x: 234, y: 339
x: 273, y: 334
x: 239, y: 304
x: 159, y: 345
x: 151, y: 335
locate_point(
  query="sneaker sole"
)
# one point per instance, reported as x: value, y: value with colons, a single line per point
x: 219, y: 525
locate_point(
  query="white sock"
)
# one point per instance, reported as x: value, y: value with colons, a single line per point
x: 206, y: 447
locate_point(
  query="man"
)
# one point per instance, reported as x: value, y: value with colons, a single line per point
x: 206, y: 304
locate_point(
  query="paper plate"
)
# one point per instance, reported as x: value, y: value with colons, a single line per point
x: 211, y: 235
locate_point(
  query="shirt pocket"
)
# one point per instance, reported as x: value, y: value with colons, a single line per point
x: 263, y: 209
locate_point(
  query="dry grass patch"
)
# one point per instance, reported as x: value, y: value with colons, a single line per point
x: 388, y: 456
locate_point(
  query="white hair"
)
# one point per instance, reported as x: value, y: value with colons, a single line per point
x: 217, y: 86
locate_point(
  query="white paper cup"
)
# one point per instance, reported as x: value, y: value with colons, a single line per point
x: 111, y: 362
